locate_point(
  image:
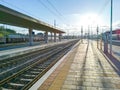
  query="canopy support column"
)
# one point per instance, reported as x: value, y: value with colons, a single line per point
x: 46, y: 37
x: 54, y: 37
x: 30, y: 37
x: 51, y: 36
x: 60, y: 37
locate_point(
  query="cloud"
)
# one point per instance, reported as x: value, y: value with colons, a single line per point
x: 117, y: 24
x: 77, y: 20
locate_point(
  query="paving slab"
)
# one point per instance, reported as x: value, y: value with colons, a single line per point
x: 84, y: 69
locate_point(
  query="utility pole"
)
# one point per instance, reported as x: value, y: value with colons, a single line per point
x: 88, y: 33
x: 91, y: 33
x: 101, y: 41
x: 97, y: 35
x: 54, y: 23
x: 111, y: 12
x: 81, y: 34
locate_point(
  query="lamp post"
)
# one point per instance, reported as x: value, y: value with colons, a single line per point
x: 111, y: 26
x: 81, y: 34
x: 97, y: 35
x: 88, y: 33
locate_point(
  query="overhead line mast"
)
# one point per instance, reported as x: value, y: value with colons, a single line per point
x: 111, y: 17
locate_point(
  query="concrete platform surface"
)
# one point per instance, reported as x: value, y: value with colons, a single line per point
x: 19, y: 51
x: 84, y: 68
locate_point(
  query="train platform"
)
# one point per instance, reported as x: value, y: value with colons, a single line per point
x: 116, y: 51
x: 19, y: 51
x: 83, y: 68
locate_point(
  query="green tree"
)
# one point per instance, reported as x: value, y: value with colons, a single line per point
x: 6, y: 31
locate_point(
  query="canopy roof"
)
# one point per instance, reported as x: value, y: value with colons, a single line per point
x: 15, y: 18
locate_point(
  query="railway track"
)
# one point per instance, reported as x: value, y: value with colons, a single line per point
x: 20, y: 73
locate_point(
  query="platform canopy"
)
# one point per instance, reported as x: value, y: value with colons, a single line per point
x: 15, y: 18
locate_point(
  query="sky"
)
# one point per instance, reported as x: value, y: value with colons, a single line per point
x: 69, y: 15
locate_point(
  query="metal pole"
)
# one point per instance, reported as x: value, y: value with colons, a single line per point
x: 68, y: 34
x: 30, y: 37
x: 46, y: 37
x: 111, y: 27
x: 88, y: 33
x: 54, y: 23
x: 54, y: 36
x: 97, y: 36
x: 82, y: 34
x: 91, y: 33
x: 51, y: 36
x: 101, y: 43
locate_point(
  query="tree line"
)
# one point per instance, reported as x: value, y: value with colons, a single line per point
x: 6, y: 31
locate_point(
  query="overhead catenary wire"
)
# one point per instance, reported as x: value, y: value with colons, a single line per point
x: 46, y: 7
x: 54, y: 7
x: 57, y: 11
x: 57, y: 15
x: 104, y: 6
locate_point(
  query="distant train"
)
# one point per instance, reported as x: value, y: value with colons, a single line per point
x: 116, y: 37
x: 15, y: 38
x: 115, y: 34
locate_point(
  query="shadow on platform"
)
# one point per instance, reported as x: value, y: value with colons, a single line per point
x: 114, y: 63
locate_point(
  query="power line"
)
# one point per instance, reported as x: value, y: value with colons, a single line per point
x: 104, y: 6
x: 45, y: 6
x: 54, y: 7
x: 52, y: 12
x: 57, y: 11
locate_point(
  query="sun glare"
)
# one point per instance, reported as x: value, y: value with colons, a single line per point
x: 91, y: 19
